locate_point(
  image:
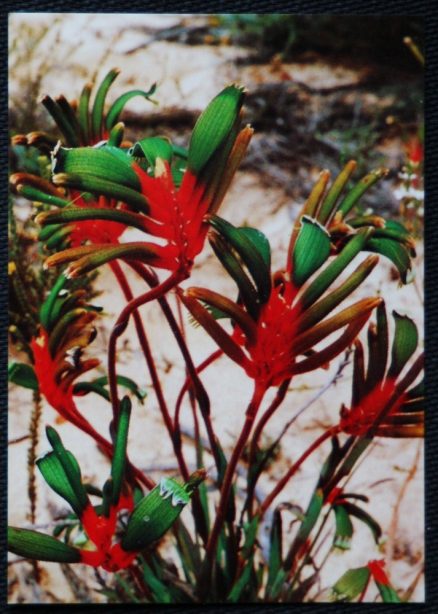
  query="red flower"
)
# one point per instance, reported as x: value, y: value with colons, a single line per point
x: 414, y: 149
x: 101, y: 531
x: 56, y: 374
x: 94, y: 231
x: 377, y: 571
x: 272, y: 352
x: 177, y: 215
x: 360, y: 418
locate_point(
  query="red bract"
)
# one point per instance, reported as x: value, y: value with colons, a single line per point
x: 272, y: 354
x: 56, y: 375
x: 360, y: 418
x: 94, y: 231
x: 178, y: 215
x: 377, y: 571
x: 101, y: 531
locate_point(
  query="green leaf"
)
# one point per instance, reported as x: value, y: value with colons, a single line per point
x: 83, y: 113
x: 34, y: 545
x: 47, y: 307
x: 231, y: 264
x: 405, y: 343
x: 61, y: 121
x: 99, y: 103
x: 107, y: 162
x: 329, y: 202
x: 119, y: 104
x: 249, y: 252
x: 126, y: 382
x: 250, y: 530
x: 260, y: 242
x: 351, y: 584
x: 56, y: 477
x: 70, y: 468
x: 78, y: 214
x: 387, y: 593
x: 119, y: 457
x: 395, y: 251
x: 334, y: 268
x: 151, y: 149
x: 311, y: 250
x: 359, y: 189
x: 116, y: 135
x: 213, y: 126
x: 242, y: 582
x: 158, y: 588
x: 96, y: 185
x: 364, y: 517
x: 37, y: 195
x: 275, y: 549
x: 157, y: 512
x: 22, y: 375
x: 344, y: 528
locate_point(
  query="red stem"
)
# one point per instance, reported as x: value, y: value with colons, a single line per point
x: 120, y: 326
x: 251, y: 412
x: 278, y: 400
x: 294, y: 468
x: 141, y: 333
x: 203, y: 400
x: 74, y: 416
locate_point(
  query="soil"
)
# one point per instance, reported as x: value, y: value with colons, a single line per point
x: 294, y: 108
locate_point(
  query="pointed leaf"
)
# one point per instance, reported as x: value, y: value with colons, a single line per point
x: 249, y: 252
x: 119, y: 104
x: 119, y: 457
x: 312, y: 248
x: 247, y: 291
x: 405, y: 343
x: 70, y: 467
x: 109, y: 163
x: 48, y: 305
x: 275, y: 548
x: 329, y: 203
x: 99, y: 102
x: 96, y: 185
x: 395, y: 251
x: 157, y: 512
x: 213, y: 126
x: 334, y: 268
x: 56, y: 477
x: 22, y: 375
x: 362, y: 515
x: 260, y: 241
x: 34, y: 545
x: 344, y: 528
x: 351, y: 584
x: 151, y: 149
x: 78, y: 214
x: 359, y: 189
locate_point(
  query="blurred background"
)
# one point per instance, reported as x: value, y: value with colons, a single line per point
x: 321, y: 91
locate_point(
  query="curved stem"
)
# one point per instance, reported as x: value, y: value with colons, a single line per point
x: 201, y: 393
x: 120, y: 326
x: 73, y: 415
x: 251, y: 412
x: 186, y: 386
x: 294, y: 468
x: 141, y: 333
x: 277, y: 401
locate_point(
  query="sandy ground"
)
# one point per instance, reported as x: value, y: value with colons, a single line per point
x: 190, y: 77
